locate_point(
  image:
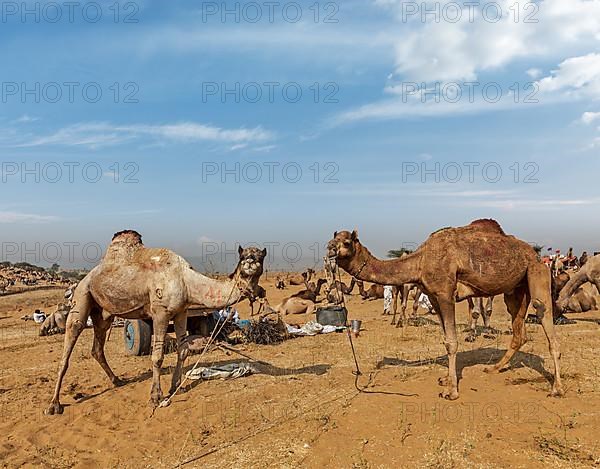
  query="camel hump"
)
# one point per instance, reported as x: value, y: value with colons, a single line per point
x: 487, y: 224
x: 128, y: 236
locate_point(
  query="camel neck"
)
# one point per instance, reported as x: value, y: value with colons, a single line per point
x: 211, y: 293
x: 365, y: 266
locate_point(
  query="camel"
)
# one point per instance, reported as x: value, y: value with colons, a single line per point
x: 136, y: 282
x: 579, y: 302
x: 293, y: 305
x: 590, y: 272
x: 346, y: 290
x: 477, y: 308
x: 457, y: 263
x: 299, y: 279
x: 312, y: 291
x: 376, y: 292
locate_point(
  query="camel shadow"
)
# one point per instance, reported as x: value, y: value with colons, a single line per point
x: 258, y: 367
x: 596, y: 321
x: 146, y: 375
x: 482, y: 356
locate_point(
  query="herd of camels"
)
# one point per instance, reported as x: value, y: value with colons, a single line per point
x: 454, y: 264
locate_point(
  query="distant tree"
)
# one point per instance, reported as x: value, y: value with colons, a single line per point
x: 54, y: 268
x: 398, y: 252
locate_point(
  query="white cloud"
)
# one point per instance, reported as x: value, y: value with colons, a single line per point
x: 25, y: 119
x: 18, y: 217
x: 575, y: 77
x: 101, y: 134
x: 446, y: 50
x: 589, y: 117
x: 441, y: 52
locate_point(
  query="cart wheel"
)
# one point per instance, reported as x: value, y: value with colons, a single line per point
x: 138, y: 337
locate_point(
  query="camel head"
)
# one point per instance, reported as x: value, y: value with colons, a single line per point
x: 251, y: 261
x: 343, y: 247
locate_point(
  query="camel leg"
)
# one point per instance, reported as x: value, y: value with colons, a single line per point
x: 487, y: 312
x: 444, y: 380
x: 447, y: 312
x: 180, y: 323
x: 101, y: 327
x: 539, y: 287
x: 403, y: 291
x: 516, y: 304
x: 160, y: 321
x: 416, y: 302
x: 474, y: 309
x: 76, y: 321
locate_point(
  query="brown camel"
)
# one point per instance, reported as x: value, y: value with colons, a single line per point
x: 457, y: 263
x: 376, y: 292
x: 312, y: 291
x: 590, y: 272
x: 135, y: 282
x: 346, y: 290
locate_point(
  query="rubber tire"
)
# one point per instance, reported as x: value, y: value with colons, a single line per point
x: 137, y: 336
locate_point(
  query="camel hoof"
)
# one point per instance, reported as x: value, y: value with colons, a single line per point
x: 450, y: 395
x: 444, y: 381
x: 557, y: 392
x: 118, y: 382
x: 54, y: 408
x: 156, y: 399
x: 491, y: 369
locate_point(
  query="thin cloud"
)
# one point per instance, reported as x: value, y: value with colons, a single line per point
x: 19, y: 217
x: 101, y: 134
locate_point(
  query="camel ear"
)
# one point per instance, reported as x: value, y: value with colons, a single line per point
x: 334, y: 234
x: 354, y: 235
x: 240, y: 249
x: 264, y: 252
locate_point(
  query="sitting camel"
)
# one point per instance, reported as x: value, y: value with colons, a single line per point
x: 346, y: 290
x: 458, y: 263
x: 135, y: 282
x: 293, y: 305
x: 579, y: 301
x: 376, y: 292
x: 312, y: 291
x: 299, y: 279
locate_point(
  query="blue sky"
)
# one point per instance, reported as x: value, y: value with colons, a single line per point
x: 361, y: 143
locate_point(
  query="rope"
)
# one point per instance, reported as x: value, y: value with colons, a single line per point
x: 357, y: 372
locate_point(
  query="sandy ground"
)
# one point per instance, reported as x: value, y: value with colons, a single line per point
x: 306, y: 411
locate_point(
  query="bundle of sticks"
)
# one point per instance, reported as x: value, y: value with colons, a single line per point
x: 265, y: 331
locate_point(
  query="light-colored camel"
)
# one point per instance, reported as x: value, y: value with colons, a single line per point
x: 299, y: 279
x: 457, y: 263
x: 293, y: 305
x: 135, y: 282
x: 590, y: 272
